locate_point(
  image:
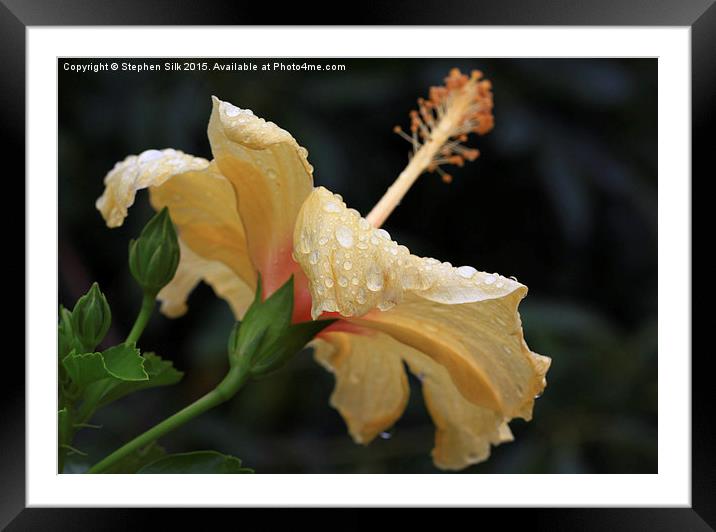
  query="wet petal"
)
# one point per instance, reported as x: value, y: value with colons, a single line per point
x: 202, y: 206
x: 371, y: 393
x: 371, y: 389
x: 465, y: 320
x: 480, y: 345
x: 193, y: 269
x: 271, y: 176
x: 464, y: 432
x: 354, y: 268
x: 150, y: 168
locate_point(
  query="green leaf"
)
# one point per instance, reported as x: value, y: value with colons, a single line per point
x: 289, y: 344
x: 206, y: 462
x: 124, y: 362
x: 161, y: 373
x: 97, y: 375
x: 85, y: 368
x: 133, y: 462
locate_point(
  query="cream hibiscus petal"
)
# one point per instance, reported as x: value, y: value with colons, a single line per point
x: 271, y: 176
x: 464, y: 432
x: 202, y: 205
x: 193, y: 269
x: 136, y: 172
x: 465, y: 320
x: 371, y: 389
x: 480, y: 344
x: 355, y: 268
x: 371, y: 392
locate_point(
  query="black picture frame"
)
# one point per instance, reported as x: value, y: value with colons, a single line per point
x: 699, y: 15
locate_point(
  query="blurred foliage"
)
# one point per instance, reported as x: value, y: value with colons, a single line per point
x: 563, y: 197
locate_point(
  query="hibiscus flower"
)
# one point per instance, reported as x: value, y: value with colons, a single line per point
x: 253, y: 209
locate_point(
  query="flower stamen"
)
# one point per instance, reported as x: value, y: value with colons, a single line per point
x: 438, y: 129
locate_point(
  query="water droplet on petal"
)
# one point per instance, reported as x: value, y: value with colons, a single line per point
x: 343, y: 281
x: 344, y: 235
x: 231, y: 110
x: 328, y: 282
x: 149, y: 155
x: 385, y: 305
x: 382, y: 233
x: 466, y: 271
x: 331, y: 206
x: 374, y: 278
x: 303, y: 244
x: 313, y: 257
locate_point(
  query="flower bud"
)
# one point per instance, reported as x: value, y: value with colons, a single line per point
x: 154, y: 256
x: 65, y: 336
x: 266, y: 339
x: 91, y: 318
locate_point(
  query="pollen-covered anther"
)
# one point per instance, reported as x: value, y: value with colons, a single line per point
x: 450, y: 113
x: 437, y: 133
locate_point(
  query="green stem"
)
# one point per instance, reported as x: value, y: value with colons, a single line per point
x: 142, y: 318
x: 227, y: 388
x: 65, y: 435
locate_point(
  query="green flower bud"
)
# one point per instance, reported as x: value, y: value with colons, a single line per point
x: 154, y: 256
x: 91, y: 318
x: 65, y: 336
x: 266, y: 339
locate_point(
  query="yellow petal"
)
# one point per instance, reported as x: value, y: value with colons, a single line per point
x: 371, y: 393
x: 150, y: 168
x: 480, y: 344
x: 354, y: 268
x: 271, y: 176
x: 465, y: 320
x: 202, y: 206
x: 464, y: 432
x: 371, y: 389
x: 194, y: 268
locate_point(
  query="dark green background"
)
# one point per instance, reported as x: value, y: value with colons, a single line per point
x: 564, y: 197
